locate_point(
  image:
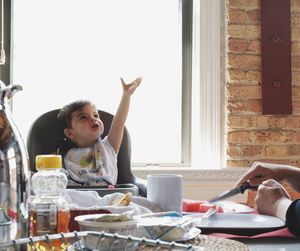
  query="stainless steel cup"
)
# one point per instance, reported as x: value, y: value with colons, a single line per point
x: 14, y: 172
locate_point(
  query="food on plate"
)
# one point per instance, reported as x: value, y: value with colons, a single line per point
x: 123, y: 200
x: 112, y: 218
x: 200, y: 206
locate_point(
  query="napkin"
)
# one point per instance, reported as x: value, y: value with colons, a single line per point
x: 90, y: 200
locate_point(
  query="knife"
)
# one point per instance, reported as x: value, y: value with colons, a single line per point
x: 241, y: 189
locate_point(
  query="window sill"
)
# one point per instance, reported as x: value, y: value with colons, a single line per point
x: 192, y: 173
x: 200, y: 184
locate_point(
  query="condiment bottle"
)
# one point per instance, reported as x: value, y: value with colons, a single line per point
x: 49, y: 211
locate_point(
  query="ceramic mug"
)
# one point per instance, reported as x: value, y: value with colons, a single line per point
x: 165, y: 190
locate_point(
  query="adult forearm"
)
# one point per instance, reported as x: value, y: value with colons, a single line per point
x: 293, y: 177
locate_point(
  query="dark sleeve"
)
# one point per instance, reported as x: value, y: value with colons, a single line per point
x: 293, y: 218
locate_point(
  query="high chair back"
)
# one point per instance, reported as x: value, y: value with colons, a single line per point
x: 45, y: 137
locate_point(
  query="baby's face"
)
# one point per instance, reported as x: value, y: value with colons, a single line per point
x: 86, y: 127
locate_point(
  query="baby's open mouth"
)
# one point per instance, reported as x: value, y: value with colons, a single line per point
x: 95, y: 126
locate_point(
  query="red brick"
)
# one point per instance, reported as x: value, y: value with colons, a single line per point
x: 277, y: 122
x: 295, y: 48
x: 244, y: 31
x: 296, y: 61
x: 243, y: 92
x: 276, y: 151
x: 253, y: 151
x: 254, y: 46
x: 234, y: 151
x: 295, y: 34
x: 295, y: 18
x: 244, y: 4
x: 295, y: 5
x: 294, y: 150
x: 237, y: 107
x: 236, y: 16
x: 237, y: 45
x: 238, y: 163
x: 253, y: 16
x: 248, y: 62
x: 238, y: 137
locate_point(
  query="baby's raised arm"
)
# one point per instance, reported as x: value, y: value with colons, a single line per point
x: 115, y: 134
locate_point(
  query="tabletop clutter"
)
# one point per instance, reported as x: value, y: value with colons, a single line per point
x: 164, y: 215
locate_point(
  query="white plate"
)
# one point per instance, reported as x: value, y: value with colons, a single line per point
x: 239, y: 221
x: 234, y: 207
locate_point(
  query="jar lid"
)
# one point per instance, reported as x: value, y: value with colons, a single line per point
x: 48, y: 161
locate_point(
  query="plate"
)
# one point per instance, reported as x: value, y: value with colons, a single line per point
x: 231, y: 207
x: 234, y: 207
x: 239, y: 223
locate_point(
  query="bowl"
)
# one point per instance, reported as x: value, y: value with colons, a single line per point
x: 88, y: 223
x: 73, y: 224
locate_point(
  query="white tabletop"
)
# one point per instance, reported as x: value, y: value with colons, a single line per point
x: 272, y: 244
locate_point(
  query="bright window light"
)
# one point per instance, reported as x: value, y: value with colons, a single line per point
x: 65, y: 50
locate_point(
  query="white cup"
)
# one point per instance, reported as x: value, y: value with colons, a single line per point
x: 165, y: 190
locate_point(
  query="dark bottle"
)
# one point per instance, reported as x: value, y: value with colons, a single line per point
x: 14, y: 172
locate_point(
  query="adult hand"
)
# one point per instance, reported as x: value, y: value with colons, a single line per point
x: 272, y: 199
x: 260, y: 172
x: 128, y: 89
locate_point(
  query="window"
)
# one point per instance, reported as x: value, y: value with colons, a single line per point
x: 71, y: 49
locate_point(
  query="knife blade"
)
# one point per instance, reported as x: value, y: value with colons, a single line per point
x: 241, y: 189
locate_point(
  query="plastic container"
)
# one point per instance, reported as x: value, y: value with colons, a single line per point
x: 49, y: 212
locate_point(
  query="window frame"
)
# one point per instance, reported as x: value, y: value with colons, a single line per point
x: 210, y: 67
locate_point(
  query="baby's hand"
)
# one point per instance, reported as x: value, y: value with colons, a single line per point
x: 129, y: 89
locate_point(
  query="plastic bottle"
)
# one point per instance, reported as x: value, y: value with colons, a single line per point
x: 49, y: 211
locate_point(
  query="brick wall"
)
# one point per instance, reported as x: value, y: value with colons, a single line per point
x: 250, y: 135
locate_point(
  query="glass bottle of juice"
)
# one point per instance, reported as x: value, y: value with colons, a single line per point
x: 49, y: 211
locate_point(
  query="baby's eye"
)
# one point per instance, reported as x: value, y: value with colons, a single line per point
x: 96, y: 116
x: 83, y: 116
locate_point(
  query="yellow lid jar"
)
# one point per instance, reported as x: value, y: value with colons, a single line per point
x: 49, y: 211
x: 48, y: 180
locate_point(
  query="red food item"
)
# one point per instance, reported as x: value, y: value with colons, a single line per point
x: 192, y: 205
x: 200, y: 206
x: 205, y: 207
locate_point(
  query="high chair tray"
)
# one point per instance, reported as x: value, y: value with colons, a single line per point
x: 104, y: 190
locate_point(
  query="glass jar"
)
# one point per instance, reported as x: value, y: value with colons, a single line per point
x: 49, y: 211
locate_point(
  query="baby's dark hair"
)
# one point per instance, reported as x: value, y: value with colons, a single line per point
x: 65, y: 114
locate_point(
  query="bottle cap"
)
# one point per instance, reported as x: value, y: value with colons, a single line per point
x: 48, y: 161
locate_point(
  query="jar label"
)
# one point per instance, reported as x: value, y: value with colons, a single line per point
x: 46, y: 218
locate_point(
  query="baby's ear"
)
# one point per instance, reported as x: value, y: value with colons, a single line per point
x: 68, y: 133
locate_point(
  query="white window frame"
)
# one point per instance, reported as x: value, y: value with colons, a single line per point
x: 208, y: 69
x: 209, y: 57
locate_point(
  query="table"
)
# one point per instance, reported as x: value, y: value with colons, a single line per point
x: 272, y: 244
